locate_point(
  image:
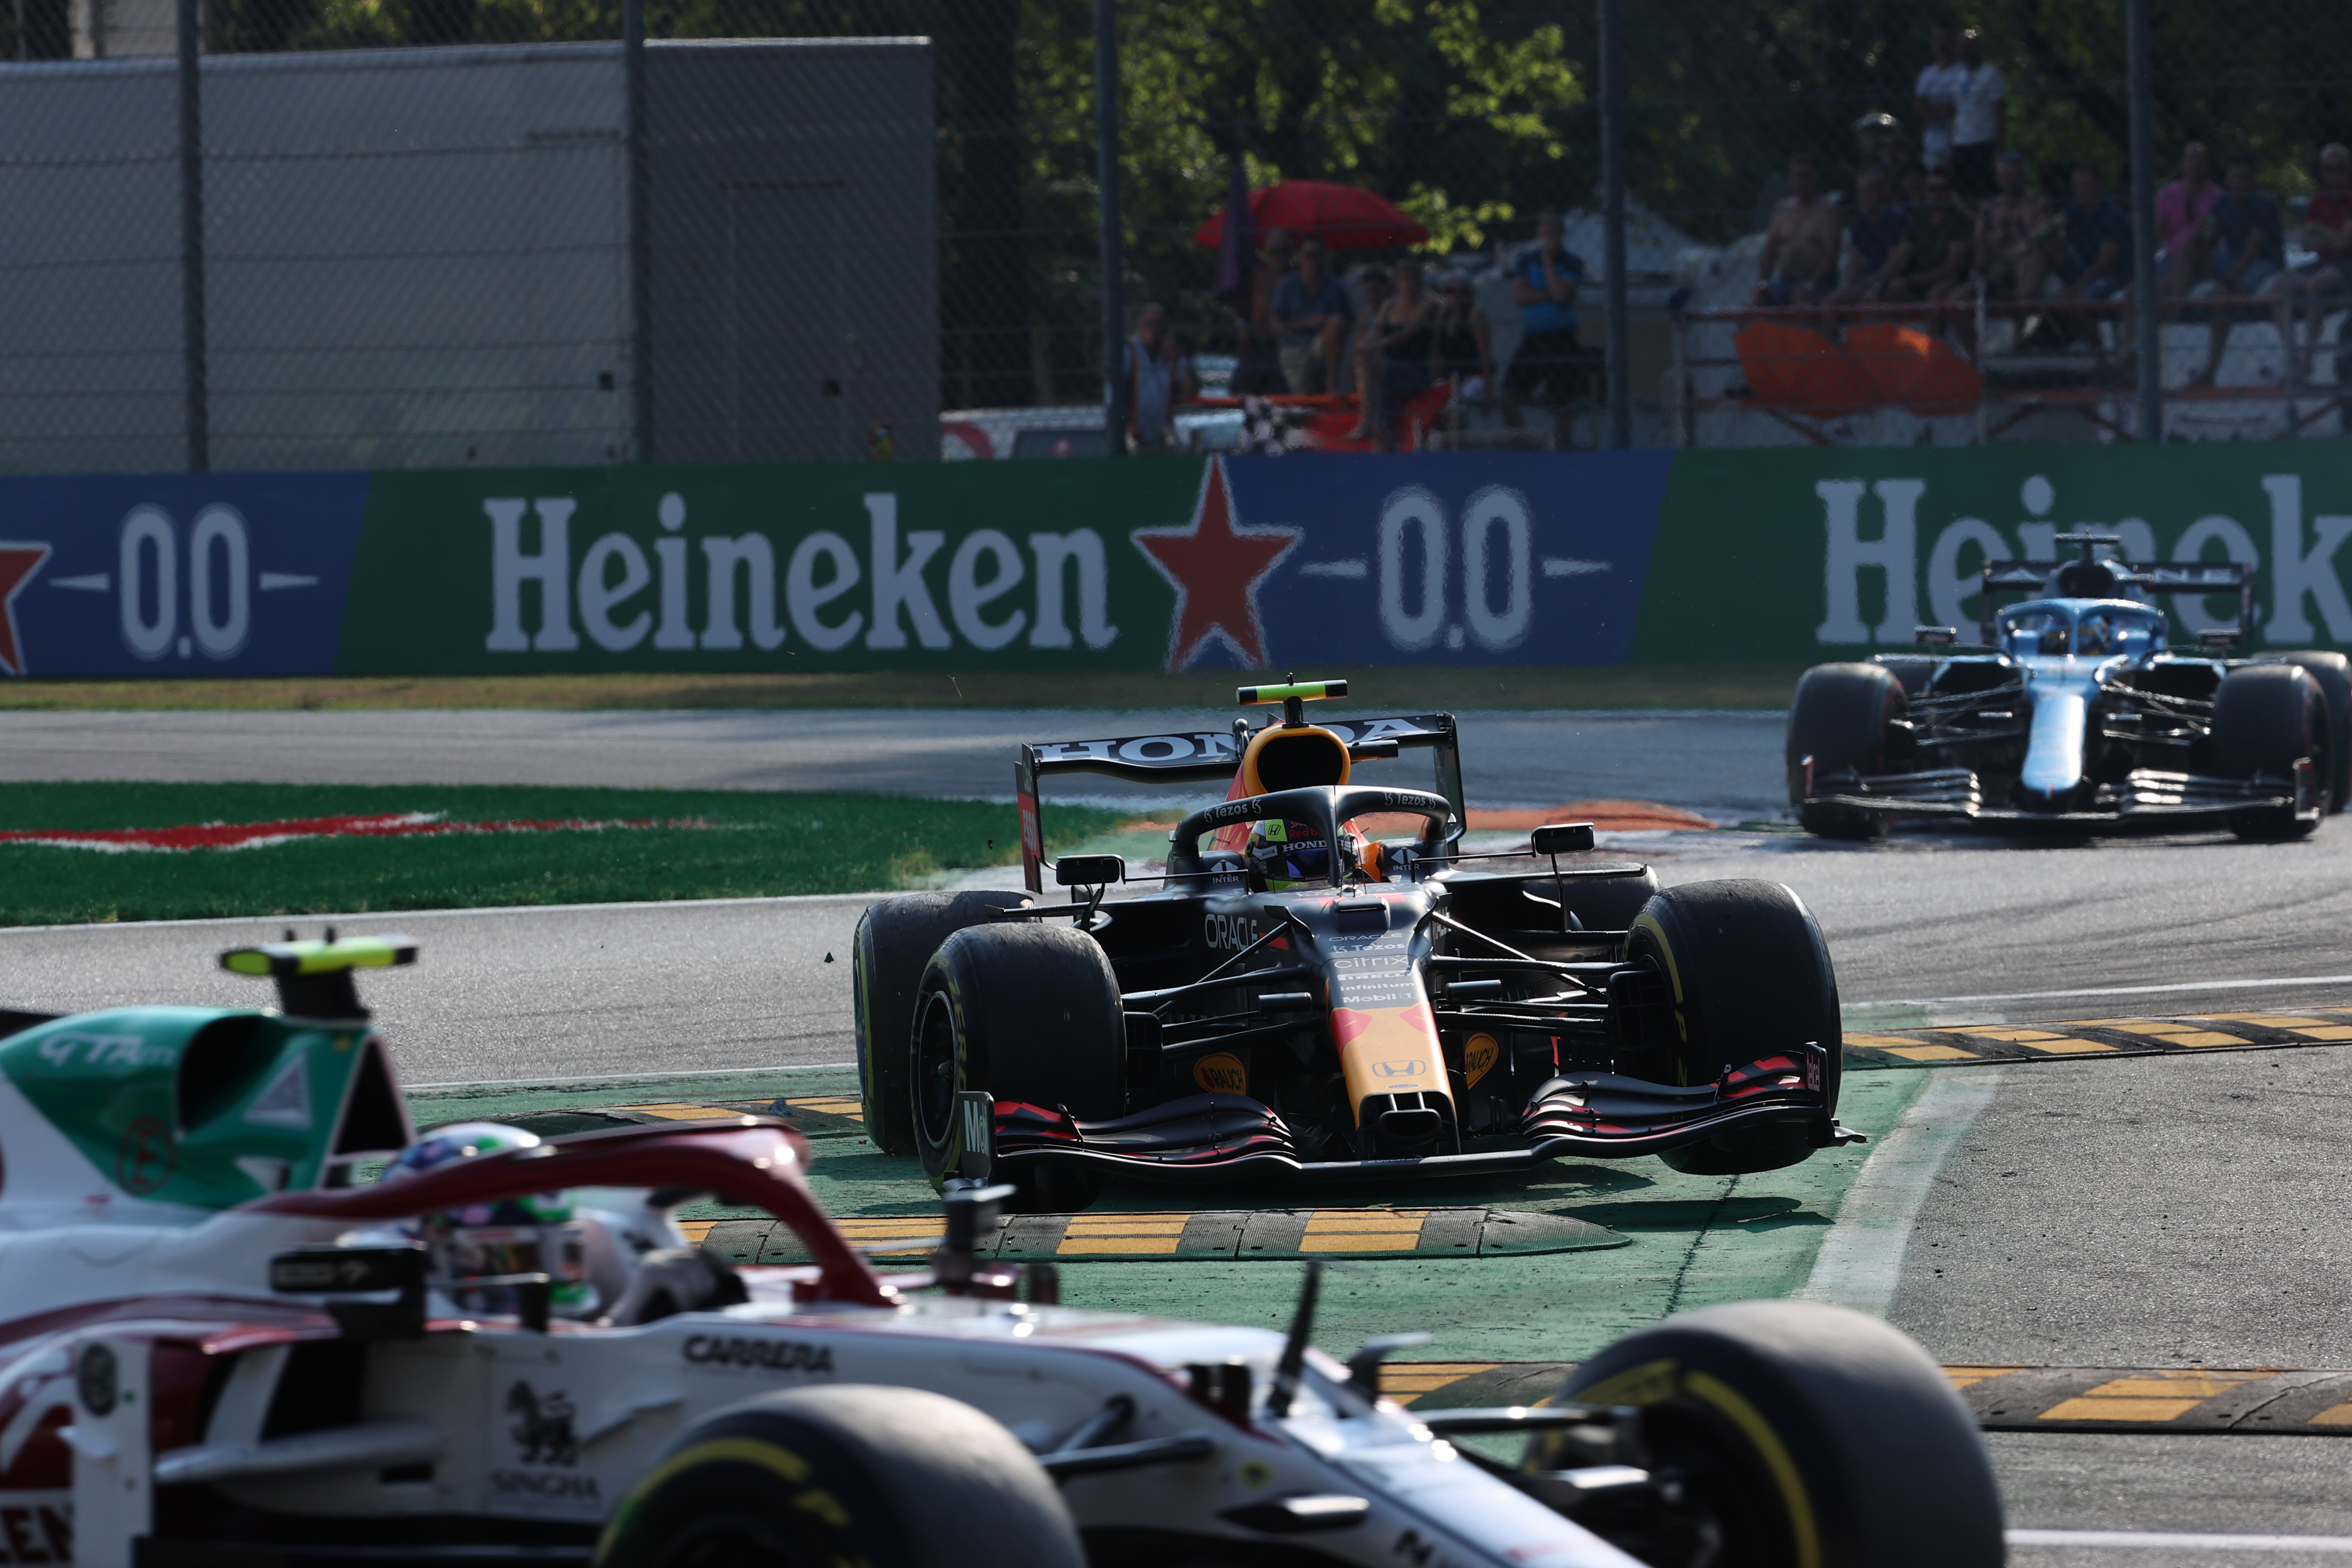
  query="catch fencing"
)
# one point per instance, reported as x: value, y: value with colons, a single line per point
x: 336, y: 233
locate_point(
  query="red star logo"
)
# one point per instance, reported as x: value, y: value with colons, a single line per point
x: 18, y: 565
x: 1215, y: 566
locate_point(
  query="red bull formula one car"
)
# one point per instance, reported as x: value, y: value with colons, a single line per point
x: 221, y: 1348
x: 1325, y: 985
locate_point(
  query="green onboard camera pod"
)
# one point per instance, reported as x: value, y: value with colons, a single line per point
x: 1293, y: 695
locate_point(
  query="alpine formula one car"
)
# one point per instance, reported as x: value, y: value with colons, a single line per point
x: 218, y: 1346
x: 2073, y: 710
x: 1302, y: 996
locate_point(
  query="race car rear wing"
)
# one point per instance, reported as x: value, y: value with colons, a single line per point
x: 2198, y: 579
x: 1212, y: 756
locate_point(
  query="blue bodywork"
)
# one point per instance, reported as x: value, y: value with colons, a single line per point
x: 2065, y: 650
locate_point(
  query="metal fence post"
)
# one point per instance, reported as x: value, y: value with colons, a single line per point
x: 2139, y: 46
x: 1613, y: 206
x: 1114, y: 310
x: 641, y: 341
x: 192, y: 241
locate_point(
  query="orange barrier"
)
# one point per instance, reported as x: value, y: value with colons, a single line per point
x: 1880, y: 362
x: 1912, y: 369
x: 1797, y: 367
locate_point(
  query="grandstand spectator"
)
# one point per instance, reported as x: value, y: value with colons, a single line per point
x: 1879, y: 135
x: 1404, y: 337
x: 1465, y: 348
x: 1158, y: 378
x: 2097, y: 261
x: 2181, y: 210
x: 1873, y: 241
x: 2327, y: 233
x: 2241, y: 252
x: 1547, y: 368
x: 1800, y: 263
x: 1373, y: 282
x: 1935, y: 97
x: 1938, y: 242
x: 2010, y: 229
x: 1257, y: 367
x: 1980, y: 120
x: 1312, y: 313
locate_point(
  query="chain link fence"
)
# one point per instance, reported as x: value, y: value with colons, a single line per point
x: 451, y: 232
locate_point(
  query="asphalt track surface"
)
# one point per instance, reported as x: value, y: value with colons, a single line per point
x: 2180, y: 1210
x: 1728, y: 767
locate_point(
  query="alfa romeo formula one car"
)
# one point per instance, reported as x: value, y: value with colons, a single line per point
x: 2073, y: 710
x: 1303, y: 997
x: 219, y: 1346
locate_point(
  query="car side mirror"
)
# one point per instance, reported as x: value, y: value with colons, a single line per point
x: 2218, y: 637
x: 1090, y: 870
x: 1936, y: 636
x: 1561, y: 838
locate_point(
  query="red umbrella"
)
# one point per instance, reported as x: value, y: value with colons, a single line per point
x: 1343, y: 216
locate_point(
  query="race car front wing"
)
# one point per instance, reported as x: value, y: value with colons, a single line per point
x: 1592, y: 1114
x: 2143, y: 793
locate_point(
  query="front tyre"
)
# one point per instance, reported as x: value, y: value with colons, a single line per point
x: 1844, y: 718
x: 2333, y: 673
x: 2267, y: 718
x: 894, y: 939
x: 1749, y: 975
x: 1026, y: 1012
x: 1806, y: 1435
x: 810, y: 1478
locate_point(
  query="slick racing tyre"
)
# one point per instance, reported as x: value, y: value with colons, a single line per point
x: 1749, y: 975
x: 2333, y: 672
x: 1610, y: 903
x: 809, y: 1477
x: 1027, y: 1012
x: 1842, y: 717
x: 2266, y: 719
x: 894, y: 939
x: 1786, y: 1420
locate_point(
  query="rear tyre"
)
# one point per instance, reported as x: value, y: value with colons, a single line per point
x: 2266, y: 719
x: 2333, y: 674
x: 894, y: 939
x: 891, y: 1478
x: 1027, y: 1012
x: 1749, y: 976
x: 1842, y: 717
x: 1786, y: 1418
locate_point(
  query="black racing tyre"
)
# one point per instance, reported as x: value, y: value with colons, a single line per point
x: 1842, y: 717
x: 2266, y: 719
x: 894, y: 939
x: 1026, y: 1011
x: 2333, y: 672
x: 1787, y: 1421
x: 1610, y: 903
x: 810, y: 1478
x: 1912, y: 669
x: 1749, y: 975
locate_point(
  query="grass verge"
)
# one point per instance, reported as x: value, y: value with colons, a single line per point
x: 1420, y: 688
x: 745, y: 845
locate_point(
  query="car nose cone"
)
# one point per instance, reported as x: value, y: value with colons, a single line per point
x: 2053, y: 751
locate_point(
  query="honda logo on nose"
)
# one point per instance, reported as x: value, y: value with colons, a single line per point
x: 1400, y: 1070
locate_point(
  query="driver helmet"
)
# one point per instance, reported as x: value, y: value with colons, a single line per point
x: 1289, y: 854
x: 2094, y: 635
x: 468, y: 1246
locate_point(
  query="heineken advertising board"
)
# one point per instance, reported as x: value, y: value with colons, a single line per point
x: 1149, y: 564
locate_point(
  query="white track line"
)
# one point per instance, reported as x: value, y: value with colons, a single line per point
x: 2138, y: 1541
x: 1861, y: 1261
x: 449, y: 914
x: 2113, y: 991
x: 619, y: 1077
